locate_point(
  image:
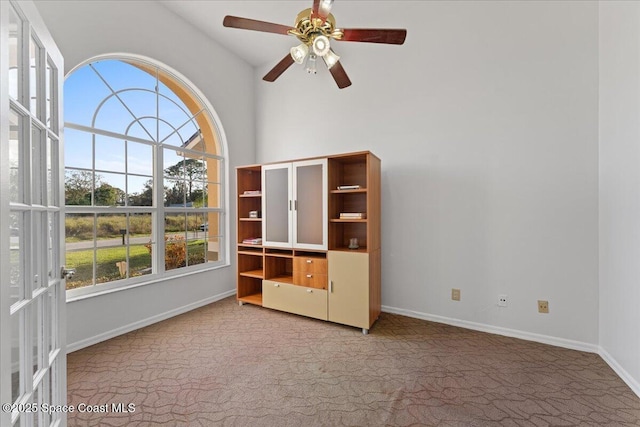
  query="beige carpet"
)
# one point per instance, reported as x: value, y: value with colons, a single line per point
x: 225, y: 365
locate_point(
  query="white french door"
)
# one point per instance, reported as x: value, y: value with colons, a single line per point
x: 32, y: 290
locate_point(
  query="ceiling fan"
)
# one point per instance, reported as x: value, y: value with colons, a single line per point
x: 315, y: 28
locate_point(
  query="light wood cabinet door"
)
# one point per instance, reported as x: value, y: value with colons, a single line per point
x: 308, y: 302
x: 349, y: 288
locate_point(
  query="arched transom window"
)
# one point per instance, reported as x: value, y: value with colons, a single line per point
x: 144, y: 175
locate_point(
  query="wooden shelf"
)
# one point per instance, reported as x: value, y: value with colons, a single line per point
x: 256, y: 274
x: 255, y: 299
x: 364, y: 221
x: 250, y: 251
x: 357, y: 190
x: 251, y: 219
x: 249, y: 195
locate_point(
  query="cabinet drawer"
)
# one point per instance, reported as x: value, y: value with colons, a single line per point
x: 305, y: 264
x: 309, y: 302
x: 310, y: 280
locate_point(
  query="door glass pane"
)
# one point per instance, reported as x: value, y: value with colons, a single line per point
x: 52, y: 310
x: 52, y: 242
x: 36, y: 335
x: 15, y: 47
x: 310, y: 203
x: 38, y: 182
x: 34, y: 76
x: 277, y: 205
x: 51, y: 168
x: 49, y: 95
x: 39, y: 237
x: 17, y: 385
x: 16, y: 256
x: 15, y: 157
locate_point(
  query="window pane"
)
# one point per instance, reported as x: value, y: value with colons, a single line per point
x: 214, y: 195
x: 109, y: 265
x: 173, y: 164
x: 36, y: 334
x: 16, y: 161
x: 139, y: 158
x: 214, y: 169
x: 109, y: 154
x: 142, y: 103
x: 214, y: 224
x: 140, y: 190
x: 114, y: 116
x: 123, y: 75
x: 15, y: 48
x: 52, y: 242
x: 175, y: 240
x: 51, y: 171
x: 34, y: 76
x: 78, y: 186
x: 78, y: 149
x: 79, y: 248
x: 83, y: 92
x: 16, y: 258
x: 38, y: 179
x: 140, y: 228
x: 17, y: 384
x: 110, y: 229
x: 213, y: 249
x: 109, y: 189
x: 140, y: 260
x: 49, y: 93
x: 174, y: 193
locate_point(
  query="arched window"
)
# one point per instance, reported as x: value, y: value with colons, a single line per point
x: 144, y: 175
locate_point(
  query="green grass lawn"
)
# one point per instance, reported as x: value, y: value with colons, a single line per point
x: 107, y: 271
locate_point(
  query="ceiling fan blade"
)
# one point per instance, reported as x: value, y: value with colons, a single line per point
x: 375, y: 35
x: 340, y: 76
x: 252, y: 24
x: 321, y: 9
x: 280, y: 68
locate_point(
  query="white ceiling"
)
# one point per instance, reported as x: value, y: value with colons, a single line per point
x: 259, y: 48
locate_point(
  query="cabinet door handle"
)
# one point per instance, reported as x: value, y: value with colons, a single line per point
x: 309, y: 276
x: 309, y: 261
x: 289, y: 204
x: 277, y: 285
x: 295, y: 205
x: 330, y: 286
x: 309, y: 291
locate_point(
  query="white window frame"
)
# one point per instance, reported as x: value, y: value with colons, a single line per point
x: 158, y: 210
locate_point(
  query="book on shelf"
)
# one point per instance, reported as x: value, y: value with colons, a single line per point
x: 252, y: 241
x: 348, y: 187
x: 252, y: 192
x: 353, y: 215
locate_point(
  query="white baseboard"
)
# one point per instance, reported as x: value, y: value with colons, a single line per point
x: 514, y: 333
x: 146, y: 322
x: 633, y: 384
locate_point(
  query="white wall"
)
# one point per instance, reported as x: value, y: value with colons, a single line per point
x: 620, y: 187
x: 486, y: 122
x: 84, y: 29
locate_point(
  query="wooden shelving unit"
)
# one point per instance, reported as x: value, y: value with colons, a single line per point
x: 250, y: 258
x: 339, y: 284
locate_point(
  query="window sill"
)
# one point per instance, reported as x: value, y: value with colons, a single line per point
x: 86, y: 292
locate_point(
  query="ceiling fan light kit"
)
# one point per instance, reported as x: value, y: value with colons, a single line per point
x: 315, y: 27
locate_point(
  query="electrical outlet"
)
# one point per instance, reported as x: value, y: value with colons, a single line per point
x: 543, y: 306
x: 455, y: 294
x: 502, y: 300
